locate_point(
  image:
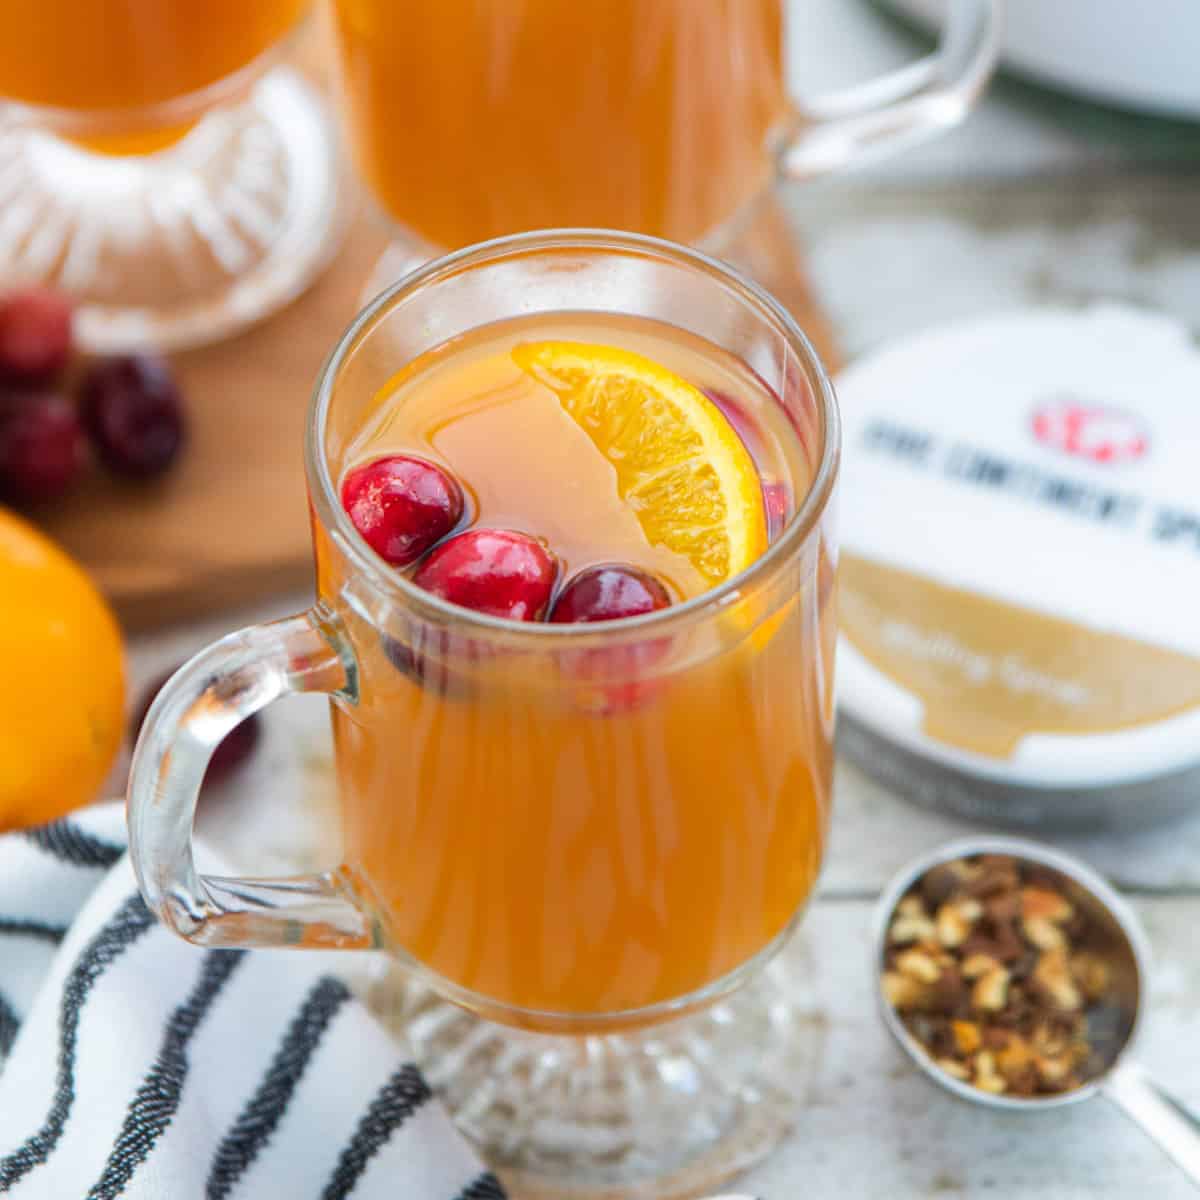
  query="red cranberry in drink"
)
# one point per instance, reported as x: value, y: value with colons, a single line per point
x: 428, y: 661
x: 734, y: 413
x: 133, y: 412
x: 35, y: 334
x: 608, y: 593
x: 402, y: 505
x: 235, y: 748
x: 612, y: 679
x: 777, y: 498
x: 493, y: 571
x: 42, y: 448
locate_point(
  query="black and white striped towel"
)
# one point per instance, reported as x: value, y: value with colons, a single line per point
x: 135, y: 1065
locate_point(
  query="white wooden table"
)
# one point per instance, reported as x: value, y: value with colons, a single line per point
x: 1034, y: 199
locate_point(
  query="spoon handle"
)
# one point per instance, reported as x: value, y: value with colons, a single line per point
x: 1165, y: 1119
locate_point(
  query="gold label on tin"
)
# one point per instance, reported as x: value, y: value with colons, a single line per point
x: 989, y: 673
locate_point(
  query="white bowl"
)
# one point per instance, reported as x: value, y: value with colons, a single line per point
x: 1141, y: 56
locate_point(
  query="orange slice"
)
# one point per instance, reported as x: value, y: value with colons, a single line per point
x: 680, y: 465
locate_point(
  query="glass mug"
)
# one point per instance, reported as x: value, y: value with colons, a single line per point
x: 586, y: 873
x: 472, y: 119
x: 159, y: 165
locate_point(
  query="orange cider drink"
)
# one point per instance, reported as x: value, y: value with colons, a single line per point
x: 475, y: 118
x: 607, y: 826
x: 129, y: 56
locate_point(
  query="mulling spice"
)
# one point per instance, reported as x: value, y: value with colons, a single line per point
x: 999, y: 976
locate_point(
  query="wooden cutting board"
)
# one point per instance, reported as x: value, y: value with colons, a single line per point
x: 230, y: 524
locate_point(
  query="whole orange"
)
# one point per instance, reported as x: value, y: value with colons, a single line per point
x: 62, y: 680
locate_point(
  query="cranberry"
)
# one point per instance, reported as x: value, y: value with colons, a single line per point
x: 615, y: 679
x: 607, y: 593
x: 427, y: 664
x: 735, y: 414
x: 402, y: 505
x: 234, y: 748
x: 42, y: 448
x: 612, y: 679
x: 35, y: 334
x: 777, y: 498
x: 133, y: 412
x: 492, y: 571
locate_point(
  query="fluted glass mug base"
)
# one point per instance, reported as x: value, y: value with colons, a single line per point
x: 187, y: 245
x: 667, y: 1112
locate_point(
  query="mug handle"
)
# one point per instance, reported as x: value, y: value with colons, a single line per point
x: 903, y: 107
x: 198, y: 706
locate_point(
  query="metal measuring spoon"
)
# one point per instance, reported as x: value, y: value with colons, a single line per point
x: 1123, y: 1082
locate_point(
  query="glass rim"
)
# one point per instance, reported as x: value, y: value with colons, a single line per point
x: 327, y: 505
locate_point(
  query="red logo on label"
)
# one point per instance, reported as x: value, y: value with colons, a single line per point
x: 1104, y: 435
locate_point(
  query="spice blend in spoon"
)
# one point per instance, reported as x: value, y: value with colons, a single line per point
x: 1000, y: 977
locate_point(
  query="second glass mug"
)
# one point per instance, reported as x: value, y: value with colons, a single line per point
x: 473, y: 119
x: 161, y: 165
x: 606, y: 873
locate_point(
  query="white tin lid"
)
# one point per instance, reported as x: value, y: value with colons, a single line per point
x: 1020, y: 574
